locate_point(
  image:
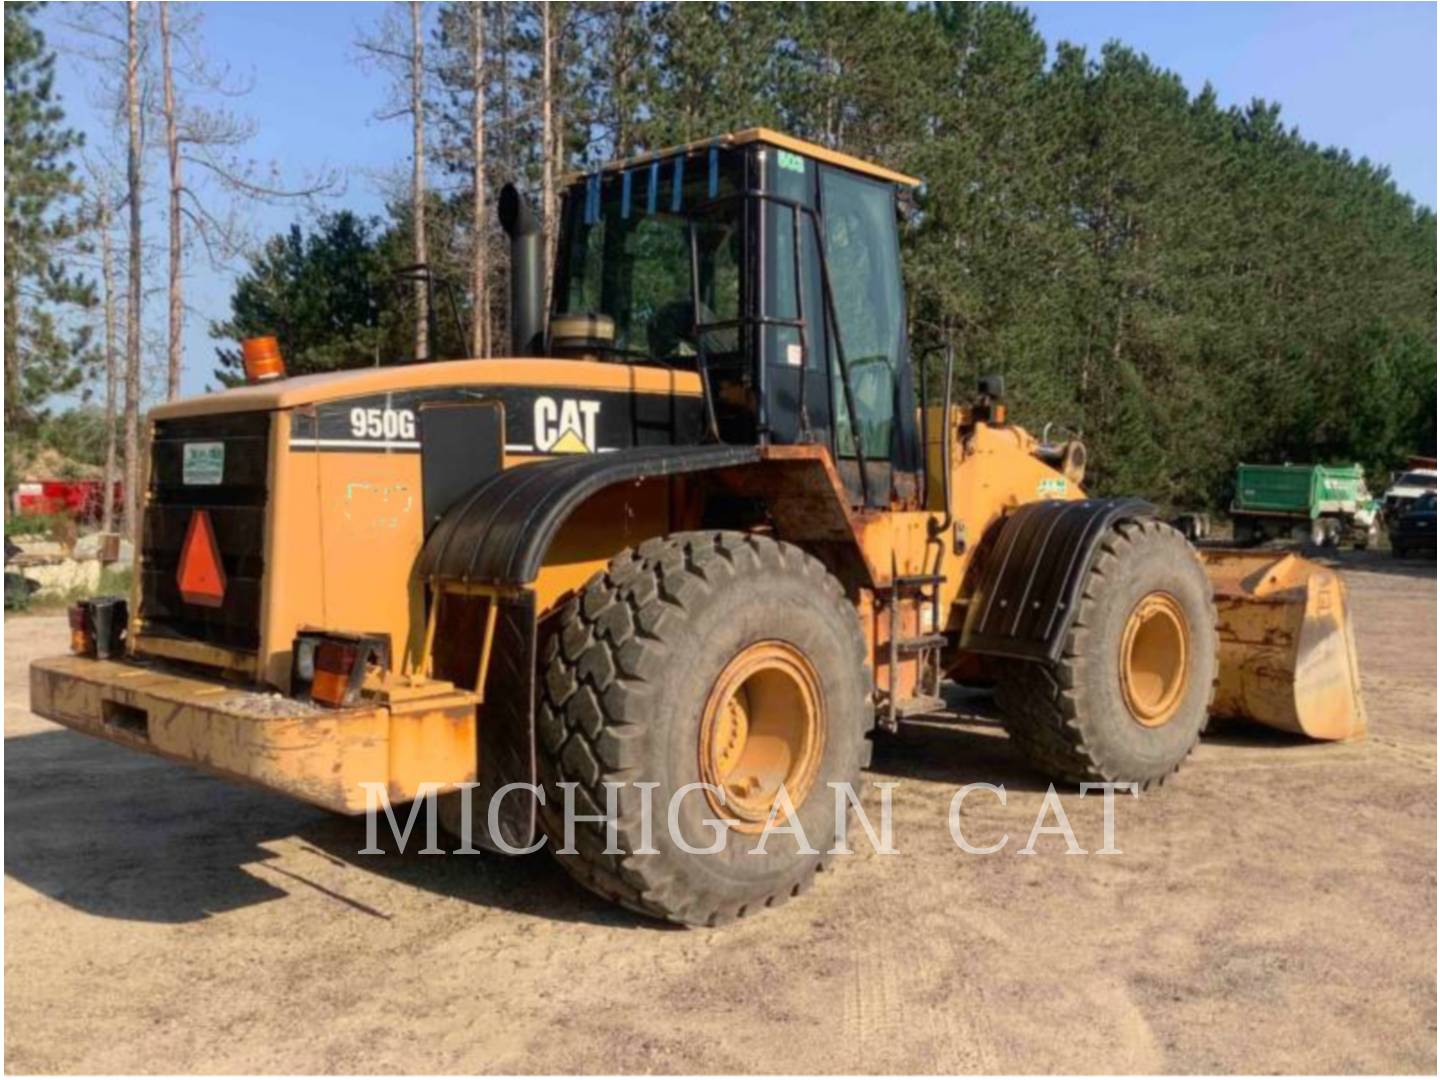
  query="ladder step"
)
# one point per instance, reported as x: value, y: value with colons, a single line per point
x: 919, y: 644
x: 919, y: 706
x: 902, y: 580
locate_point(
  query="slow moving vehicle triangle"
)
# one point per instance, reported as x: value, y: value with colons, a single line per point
x: 201, y: 576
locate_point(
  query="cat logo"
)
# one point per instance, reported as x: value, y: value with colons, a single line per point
x: 565, y: 427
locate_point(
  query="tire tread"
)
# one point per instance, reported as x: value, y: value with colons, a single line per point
x: 1039, y: 702
x: 606, y: 645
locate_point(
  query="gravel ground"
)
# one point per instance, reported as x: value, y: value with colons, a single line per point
x: 1274, y: 910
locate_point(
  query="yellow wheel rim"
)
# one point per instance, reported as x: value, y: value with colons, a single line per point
x: 1155, y: 659
x: 763, y: 726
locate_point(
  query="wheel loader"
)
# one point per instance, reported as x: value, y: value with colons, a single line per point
x: 702, y: 539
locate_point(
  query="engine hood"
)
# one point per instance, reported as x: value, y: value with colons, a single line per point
x: 312, y: 389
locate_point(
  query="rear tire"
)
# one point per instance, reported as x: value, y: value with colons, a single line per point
x: 1130, y: 694
x: 632, y: 668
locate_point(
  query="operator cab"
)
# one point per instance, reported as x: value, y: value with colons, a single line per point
x: 769, y: 266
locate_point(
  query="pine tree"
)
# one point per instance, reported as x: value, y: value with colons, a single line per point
x: 45, y: 352
x: 1185, y: 284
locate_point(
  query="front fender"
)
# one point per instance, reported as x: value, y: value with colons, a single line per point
x: 1025, y: 598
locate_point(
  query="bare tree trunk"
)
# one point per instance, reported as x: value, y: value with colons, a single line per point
x: 480, y: 229
x: 417, y: 183
x: 14, y: 362
x: 507, y: 132
x: 132, y: 305
x: 107, y: 274
x: 547, y: 139
x: 172, y: 148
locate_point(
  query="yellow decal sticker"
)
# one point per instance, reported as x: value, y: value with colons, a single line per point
x: 567, y: 426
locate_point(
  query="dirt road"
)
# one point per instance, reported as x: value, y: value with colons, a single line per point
x: 1274, y: 909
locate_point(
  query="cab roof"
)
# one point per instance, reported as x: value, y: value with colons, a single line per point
x: 770, y: 138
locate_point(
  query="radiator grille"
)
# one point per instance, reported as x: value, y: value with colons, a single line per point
x: 236, y: 506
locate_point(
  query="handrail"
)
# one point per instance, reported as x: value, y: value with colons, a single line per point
x: 937, y: 528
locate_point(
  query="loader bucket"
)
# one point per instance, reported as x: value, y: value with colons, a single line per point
x: 1287, y: 650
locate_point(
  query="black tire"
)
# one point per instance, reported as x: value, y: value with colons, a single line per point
x: 1398, y: 551
x: 1070, y: 719
x: 1245, y: 532
x: 627, y: 668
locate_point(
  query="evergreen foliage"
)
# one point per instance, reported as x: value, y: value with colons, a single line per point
x: 1185, y: 284
x: 45, y: 352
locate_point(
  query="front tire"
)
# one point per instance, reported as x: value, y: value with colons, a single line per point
x: 720, y: 658
x: 1130, y: 694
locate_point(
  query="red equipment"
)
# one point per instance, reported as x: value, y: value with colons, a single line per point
x: 81, y: 499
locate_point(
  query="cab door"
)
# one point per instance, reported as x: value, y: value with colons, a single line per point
x: 862, y: 257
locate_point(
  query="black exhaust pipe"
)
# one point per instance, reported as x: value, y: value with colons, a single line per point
x: 527, y: 273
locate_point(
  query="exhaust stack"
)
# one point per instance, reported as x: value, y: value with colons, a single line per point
x: 527, y: 280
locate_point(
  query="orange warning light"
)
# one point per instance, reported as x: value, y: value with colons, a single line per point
x: 262, y: 358
x: 201, y: 576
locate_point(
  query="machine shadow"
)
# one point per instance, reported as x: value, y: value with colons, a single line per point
x: 1244, y: 734
x: 963, y: 745
x: 124, y: 836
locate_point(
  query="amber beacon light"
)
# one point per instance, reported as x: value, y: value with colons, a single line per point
x: 263, y: 361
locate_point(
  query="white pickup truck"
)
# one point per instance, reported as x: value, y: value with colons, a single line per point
x: 1408, y: 487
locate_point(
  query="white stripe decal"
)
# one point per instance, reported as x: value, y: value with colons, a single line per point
x: 364, y: 444
x: 375, y: 444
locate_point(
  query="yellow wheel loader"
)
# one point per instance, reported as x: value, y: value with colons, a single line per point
x: 692, y: 548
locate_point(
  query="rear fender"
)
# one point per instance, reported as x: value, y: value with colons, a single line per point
x: 494, y: 542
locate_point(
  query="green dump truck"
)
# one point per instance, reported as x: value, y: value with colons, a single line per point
x: 1325, y: 504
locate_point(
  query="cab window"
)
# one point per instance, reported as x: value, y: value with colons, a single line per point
x: 641, y: 245
x: 863, y: 258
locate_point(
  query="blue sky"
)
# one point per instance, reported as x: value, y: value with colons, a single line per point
x: 1357, y: 75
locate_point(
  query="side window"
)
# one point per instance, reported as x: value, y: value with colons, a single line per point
x: 864, y: 263
x: 783, y: 344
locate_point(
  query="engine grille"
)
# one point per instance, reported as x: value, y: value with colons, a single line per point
x: 236, y: 506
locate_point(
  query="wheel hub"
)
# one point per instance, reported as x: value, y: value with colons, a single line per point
x: 1155, y: 659
x: 763, y: 726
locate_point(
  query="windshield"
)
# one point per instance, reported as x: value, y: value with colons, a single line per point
x: 1416, y: 479
x: 1424, y: 504
x: 633, y: 243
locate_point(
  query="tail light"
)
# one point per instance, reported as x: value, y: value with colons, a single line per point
x: 330, y: 666
x: 82, y: 638
x: 97, y: 627
x: 263, y: 361
x: 336, y: 664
